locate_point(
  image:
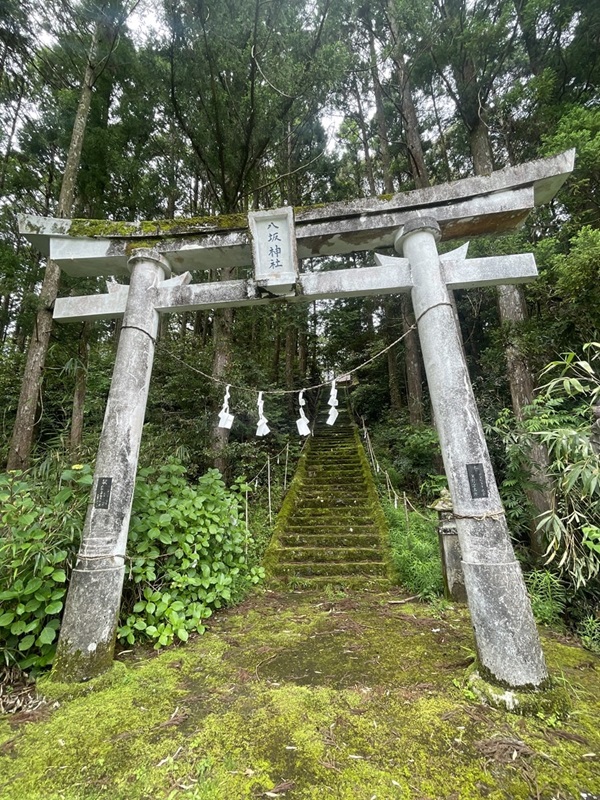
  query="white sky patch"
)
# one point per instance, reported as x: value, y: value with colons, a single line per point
x: 146, y: 22
x: 332, y: 121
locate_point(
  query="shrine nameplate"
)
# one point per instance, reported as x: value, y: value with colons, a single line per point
x: 103, y: 491
x: 477, y: 482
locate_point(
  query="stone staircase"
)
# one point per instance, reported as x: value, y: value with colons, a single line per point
x: 331, y: 528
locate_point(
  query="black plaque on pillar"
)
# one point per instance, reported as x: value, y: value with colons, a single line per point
x: 103, y: 490
x: 477, y: 482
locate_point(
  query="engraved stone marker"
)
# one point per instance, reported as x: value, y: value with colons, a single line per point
x: 274, y: 249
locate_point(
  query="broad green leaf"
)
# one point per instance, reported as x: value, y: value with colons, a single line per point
x: 47, y: 636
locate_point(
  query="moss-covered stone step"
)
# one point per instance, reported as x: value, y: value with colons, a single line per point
x: 318, y: 488
x: 326, y: 540
x: 343, y: 515
x: 338, y: 527
x: 331, y: 527
x: 332, y: 553
x: 344, y: 445
x: 333, y: 503
x: 333, y: 499
x: 331, y: 569
x: 330, y: 539
x: 335, y: 529
x: 369, y: 583
x: 330, y: 510
x: 332, y: 472
x: 325, y: 463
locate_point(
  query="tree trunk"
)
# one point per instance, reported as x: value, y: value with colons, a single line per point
x: 441, y: 135
x: 11, y: 135
x: 183, y: 320
x: 392, y: 315
x: 276, y: 357
x: 291, y: 340
x: 4, y: 316
x: 414, y: 376
x: 513, y: 312
x: 407, y: 109
x: 222, y: 325
x: 384, y: 147
x: 479, y: 144
x: 364, y: 133
x: 303, y: 351
x: 22, y: 438
x: 529, y: 35
x: 81, y: 373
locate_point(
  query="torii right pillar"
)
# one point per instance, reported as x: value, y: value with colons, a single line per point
x: 507, y: 639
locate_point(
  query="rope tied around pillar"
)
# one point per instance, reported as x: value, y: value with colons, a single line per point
x: 137, y: 328
x: 427, y: 310
x: 479, y: 518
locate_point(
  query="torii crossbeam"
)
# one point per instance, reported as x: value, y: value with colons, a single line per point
x: 507, y: 640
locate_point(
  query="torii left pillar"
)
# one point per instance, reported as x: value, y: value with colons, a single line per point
x: 89, y: 625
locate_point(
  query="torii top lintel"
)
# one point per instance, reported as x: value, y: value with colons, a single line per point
x: 485, y: 204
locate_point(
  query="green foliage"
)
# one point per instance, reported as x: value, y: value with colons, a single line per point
x: 579, y: 127
x: 188, y: 555
x: 516, y: 439
x: 548, y: 596
x: 410, y: 453
x: 573, y: 525
x: 39, y: 536
x: 589, y: 633
x: 415, y: 550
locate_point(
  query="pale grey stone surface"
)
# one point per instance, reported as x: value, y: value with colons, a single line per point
x: 472, y: 206
x: 89, y: 622
x: 507, y: 639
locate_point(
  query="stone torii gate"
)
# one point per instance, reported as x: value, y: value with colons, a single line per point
x: 159, y: 257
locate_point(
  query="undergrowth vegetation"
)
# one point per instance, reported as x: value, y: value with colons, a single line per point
x: 415, y: 550
x: 189, y: 552
x: 565, y: 586
x: 564, y: 583
x: 40, y: 527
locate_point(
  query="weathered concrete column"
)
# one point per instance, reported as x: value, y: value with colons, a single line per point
x: 507, y: 639
x: 89, y: 624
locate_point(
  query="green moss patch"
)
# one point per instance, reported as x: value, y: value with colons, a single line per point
x: 307, y: 695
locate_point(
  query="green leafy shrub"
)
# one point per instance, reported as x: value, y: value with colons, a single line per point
x: 415, y: 550
x: 411, y: 454
x: 187, y: 549
x: 40, y: 532
x: 187, y: 553
x: 548, y: 596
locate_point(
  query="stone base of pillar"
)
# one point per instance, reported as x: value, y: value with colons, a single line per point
x: 553, y: 701
x: 89, y: 629
x: 507, y: 638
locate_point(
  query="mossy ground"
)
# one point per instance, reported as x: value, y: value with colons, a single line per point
x: 307, y: 695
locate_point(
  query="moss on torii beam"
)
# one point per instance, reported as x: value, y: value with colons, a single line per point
x: 469, y: 207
